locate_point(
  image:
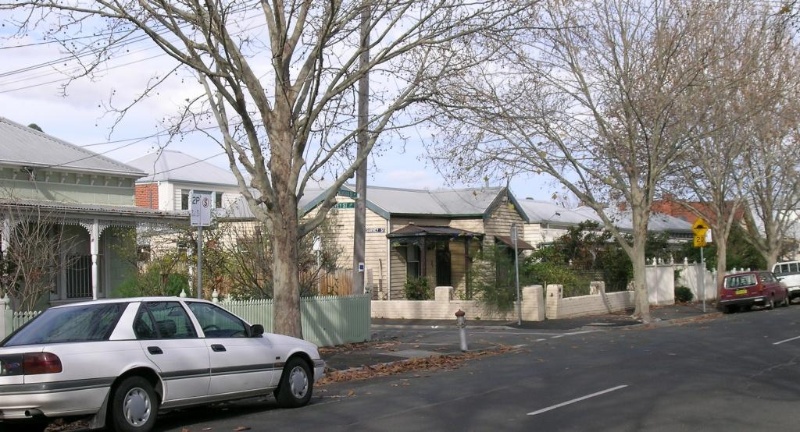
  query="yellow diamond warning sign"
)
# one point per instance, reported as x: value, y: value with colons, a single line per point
x: 699, y: 227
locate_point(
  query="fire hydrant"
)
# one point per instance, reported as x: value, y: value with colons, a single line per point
x: 461, y: 322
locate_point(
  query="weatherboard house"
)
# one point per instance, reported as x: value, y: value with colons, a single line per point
x: 429, y: 234
x: 90, y: 195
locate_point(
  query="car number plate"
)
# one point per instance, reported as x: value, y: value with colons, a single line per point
x: 741, y: 292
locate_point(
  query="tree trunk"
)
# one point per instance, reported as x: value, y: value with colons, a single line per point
x: 722, y: 262
x: 286, y: 282
x: 285, y: 226
x: 640, y: 216
x: 641, y: 295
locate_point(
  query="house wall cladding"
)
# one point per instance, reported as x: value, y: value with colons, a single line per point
x: 500, y: 220
x: 375, y: 244
x: 68, y: 187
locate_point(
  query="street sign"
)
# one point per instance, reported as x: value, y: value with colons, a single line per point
x: 200, y: 209
x: 700, y: 241
x: 700, y: 227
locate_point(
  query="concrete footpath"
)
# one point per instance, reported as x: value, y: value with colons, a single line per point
x: 398, y: 340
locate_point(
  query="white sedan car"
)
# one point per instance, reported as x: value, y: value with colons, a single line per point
x: 121, y: 361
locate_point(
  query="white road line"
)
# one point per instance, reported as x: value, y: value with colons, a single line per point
x: 578, y: 400
x: 787, y: 340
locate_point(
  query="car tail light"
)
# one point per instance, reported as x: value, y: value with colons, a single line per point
x: 40, y: 363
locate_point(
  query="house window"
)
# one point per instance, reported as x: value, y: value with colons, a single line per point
x: 143, y: 253
x: 185, y: 198
x: 412, y: 261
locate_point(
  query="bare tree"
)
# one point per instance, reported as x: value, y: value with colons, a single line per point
x: 715, y: 172
x: 37, y: 250
x: 770, y: 182
x: 279, y: 80
x: 603, y: 98
x: 249, y: 253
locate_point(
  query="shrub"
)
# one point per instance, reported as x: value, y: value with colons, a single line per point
x: 683, y: 294
x: 492, y: 277
x: 417, y: 289
x: 153, y: 283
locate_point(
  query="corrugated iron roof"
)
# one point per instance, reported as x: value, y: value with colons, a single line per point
x: 545, y: 212
x: 95, y: 209
x: 175, y: 166
x: 444, y: 202
x: 23, y: 146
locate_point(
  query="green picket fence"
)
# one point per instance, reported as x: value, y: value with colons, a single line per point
x: 326, y: 321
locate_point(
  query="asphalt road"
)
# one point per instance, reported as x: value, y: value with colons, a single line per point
x: 735, y: 373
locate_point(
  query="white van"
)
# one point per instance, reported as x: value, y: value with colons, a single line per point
x: 788, y: 272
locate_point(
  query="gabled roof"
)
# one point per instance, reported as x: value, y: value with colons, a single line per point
x: 174, y: 166
x: 23, y: 146
x: 547, y: 212
x: 387, y: 202
x: 659, y: 222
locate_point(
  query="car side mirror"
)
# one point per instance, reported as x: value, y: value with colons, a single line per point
x: 257, y: 330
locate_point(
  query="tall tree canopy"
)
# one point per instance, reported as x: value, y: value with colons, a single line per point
x: 277, y: 84
x: 606, y: 96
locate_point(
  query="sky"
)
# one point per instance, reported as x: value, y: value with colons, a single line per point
x: 31, y: 80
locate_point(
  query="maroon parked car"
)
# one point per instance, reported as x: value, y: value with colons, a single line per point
x: 743, y: 290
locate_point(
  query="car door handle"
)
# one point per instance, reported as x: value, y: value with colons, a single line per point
x: 154, y: 350
x: 218, y: 348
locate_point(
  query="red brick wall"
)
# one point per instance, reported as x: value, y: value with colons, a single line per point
x: 147, y: 195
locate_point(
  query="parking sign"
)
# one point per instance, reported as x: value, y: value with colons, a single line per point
x: 200, y: 209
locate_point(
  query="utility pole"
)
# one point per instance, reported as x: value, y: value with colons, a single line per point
x: 359, y: 231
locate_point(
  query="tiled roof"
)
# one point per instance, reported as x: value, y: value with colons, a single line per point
x: 23, y: 146
x: 175, y: 166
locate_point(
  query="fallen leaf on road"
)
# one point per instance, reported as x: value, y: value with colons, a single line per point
x: 434, y: 362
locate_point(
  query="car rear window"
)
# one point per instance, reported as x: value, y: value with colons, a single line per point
x: 93, y: 322
x: 740, y: 281
x: 786, y: 268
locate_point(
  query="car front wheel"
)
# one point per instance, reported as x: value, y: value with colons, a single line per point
x: 296, y: 384
x: 771, y: 303
x: 134, y: 405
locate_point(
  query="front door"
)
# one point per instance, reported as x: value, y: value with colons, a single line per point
x: 443, y: 267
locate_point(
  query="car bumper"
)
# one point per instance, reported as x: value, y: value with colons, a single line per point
x: 794, y: 291
x: 760, y: 300
x: 28, y: 405
x: 319, y: 369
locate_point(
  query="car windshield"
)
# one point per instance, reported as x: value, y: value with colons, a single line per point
x: 91, y: 322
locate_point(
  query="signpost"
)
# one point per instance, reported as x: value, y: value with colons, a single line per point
x: 700, y: 228
x: 200, y: 216
x: 516, y: 271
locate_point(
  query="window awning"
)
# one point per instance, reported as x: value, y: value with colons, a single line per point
x: 521, y: 244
